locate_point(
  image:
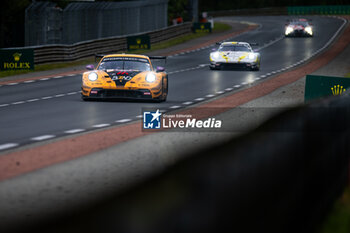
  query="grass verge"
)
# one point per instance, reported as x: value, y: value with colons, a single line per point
x: 218, y: 27
x: 339, y: 219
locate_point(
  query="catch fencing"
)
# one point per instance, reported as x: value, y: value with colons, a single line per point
x: 81, y: 21
x: 62, y: 53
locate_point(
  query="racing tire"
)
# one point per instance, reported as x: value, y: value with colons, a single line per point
x: 163, y: 97
x: 84, y: 98
x: 214, y: 68
x: 257, y: 68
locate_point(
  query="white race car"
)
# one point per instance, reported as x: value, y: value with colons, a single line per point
x: 235, y: 55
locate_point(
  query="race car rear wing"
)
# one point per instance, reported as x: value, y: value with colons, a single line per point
x: 99, y: 56
x: 157, y: 57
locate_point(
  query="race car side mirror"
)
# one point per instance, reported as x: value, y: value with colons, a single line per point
x: 160, y: 69
x: 90, y: 67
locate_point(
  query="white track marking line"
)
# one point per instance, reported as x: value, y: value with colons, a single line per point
x: 139, y: 116
x: 123, y: 120
x: 42, y: 137
x: 46, y: 97
x: 236, y: 86
x: 44, y: 79
x: 199, y: 99
x: 60, y: 95
x: 11, y: 84
x: 29, y: 81
x: 4, y: 105
x: 71, y: 131
x: 101, y: 125
x: 7, y: 146
x: 58, y: 77
x: 228, y: 89
x: 187, y: 103
x: 175, y: 106
x: 19, y: 102
x: 70, y: 75
x: 244, y: 83
x: 32, y: 100
x: 210, y: 95
x: 72, y: 93
x: 219, y: 92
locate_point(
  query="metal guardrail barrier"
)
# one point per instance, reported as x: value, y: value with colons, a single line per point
x: 62, y: 53
x: 320, y: 10
x: 282, y: 177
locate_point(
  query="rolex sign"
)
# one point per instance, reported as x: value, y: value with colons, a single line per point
x: 16, y: 59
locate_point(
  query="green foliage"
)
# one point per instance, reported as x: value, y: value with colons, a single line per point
x: 12, y: 23
x: 220, y: 27
x: 339, y: 219
x: 178, y: 8
x: 206, y: 5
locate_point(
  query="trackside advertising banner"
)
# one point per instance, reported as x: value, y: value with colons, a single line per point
x: 16, y: 59
x: 317, y: 86
x: 138, y: 42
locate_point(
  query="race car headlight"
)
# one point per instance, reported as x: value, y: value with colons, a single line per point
x: 92, y: 77
x: 215, y: 55
x: 308, y: 30
x: 150, y: 77
x: 289, y: 30
x: 251, y: 56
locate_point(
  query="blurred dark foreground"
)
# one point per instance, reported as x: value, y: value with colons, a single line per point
x: 269, y: 180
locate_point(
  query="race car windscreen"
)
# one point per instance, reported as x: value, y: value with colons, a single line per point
x: 236, y: 48
x: 304, y: 24
x: 124, y: 64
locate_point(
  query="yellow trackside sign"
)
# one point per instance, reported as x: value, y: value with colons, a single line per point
x: 201, y: 27
x: 16, y: 59
x: 138, y: 42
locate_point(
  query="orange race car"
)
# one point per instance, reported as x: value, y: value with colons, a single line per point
x: 125, y: 76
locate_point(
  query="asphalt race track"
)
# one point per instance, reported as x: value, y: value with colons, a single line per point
x: 39, y: 110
